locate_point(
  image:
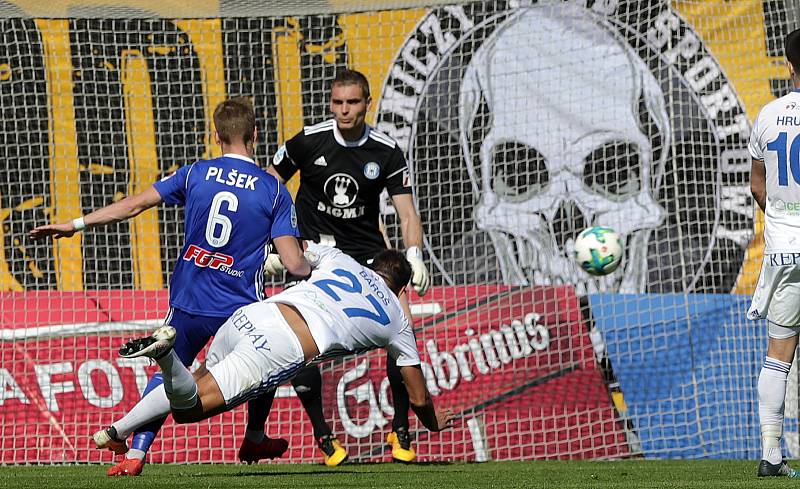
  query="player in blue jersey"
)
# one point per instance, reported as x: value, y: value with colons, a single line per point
x: 233, y: 209
x: 342, y: 309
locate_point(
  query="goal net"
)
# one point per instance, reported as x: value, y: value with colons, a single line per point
x: 523, y: 122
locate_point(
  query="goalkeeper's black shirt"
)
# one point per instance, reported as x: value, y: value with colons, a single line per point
x: 338, y: 202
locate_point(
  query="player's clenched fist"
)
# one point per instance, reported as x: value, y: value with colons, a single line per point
x: 420, y: 279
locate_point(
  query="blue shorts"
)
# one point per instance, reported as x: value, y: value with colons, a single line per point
x: 193, y: 332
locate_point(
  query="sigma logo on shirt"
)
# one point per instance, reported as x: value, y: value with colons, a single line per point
x: 211, y: 259
x: 341, y: 190
x: 372, y: 170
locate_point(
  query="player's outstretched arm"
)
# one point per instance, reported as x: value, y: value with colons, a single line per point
x: 421, y: 401
x: 118, y: 211
x: 291, y: 256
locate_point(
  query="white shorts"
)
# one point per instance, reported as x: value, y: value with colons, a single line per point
x: 777, y: 295
x: 251, y: 357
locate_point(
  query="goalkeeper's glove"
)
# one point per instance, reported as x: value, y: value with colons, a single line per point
x: 420, y: 279
x: 273, y: 265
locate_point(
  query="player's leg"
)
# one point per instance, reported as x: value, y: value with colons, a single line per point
x: 192, y: 334
x: 189, y: 399
x: 244, y: 361
x: 143, y: 438
x: 400, y: 437
x: 771, y: 399
x: 780, y: 287
x: 154, y: 404
x: 256, y: 445
x: 308, y: 386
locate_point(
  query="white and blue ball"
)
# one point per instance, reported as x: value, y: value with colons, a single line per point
x: 598, y: 250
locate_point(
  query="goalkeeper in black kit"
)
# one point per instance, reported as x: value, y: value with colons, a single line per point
x: 344, y: 166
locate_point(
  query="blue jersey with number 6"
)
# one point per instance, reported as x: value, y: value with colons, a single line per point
x: 233, y: 209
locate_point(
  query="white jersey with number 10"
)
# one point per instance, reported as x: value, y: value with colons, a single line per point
x: 776, y: 140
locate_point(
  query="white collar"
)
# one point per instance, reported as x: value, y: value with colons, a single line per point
x: 239, y: 157
x: 350, y: 144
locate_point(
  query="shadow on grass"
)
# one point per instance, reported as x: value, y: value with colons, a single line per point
x: 395, y: 468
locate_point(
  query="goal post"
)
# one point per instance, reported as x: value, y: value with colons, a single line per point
x: 522, y: 122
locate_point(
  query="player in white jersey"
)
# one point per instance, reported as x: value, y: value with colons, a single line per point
x: 775, y: 184
x: 343, y: 308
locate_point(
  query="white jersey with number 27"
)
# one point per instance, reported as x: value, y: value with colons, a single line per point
x: 776, y: 140
x: 349, y: 308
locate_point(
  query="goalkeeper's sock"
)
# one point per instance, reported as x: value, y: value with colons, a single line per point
x: 308, y: 386
x: 179, y: 385
x: 771, y: 400
x: 400, y: 400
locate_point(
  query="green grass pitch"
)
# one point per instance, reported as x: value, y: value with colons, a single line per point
x: 723, y: 474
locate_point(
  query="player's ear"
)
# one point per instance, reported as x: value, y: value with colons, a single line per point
x: 369, y: 103
x: 216, y: 138
x: 255, y: 135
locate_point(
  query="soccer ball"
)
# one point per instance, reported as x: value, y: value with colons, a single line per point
x: 598, y: 250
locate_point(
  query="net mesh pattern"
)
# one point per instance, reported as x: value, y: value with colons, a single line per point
x: 522, y: 123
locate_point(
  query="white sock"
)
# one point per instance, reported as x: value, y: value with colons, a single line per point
x: 771, y: 398
x: 256, y: 436
x: 151, y: 407
x: 179, y: 384
x: 135, y: 453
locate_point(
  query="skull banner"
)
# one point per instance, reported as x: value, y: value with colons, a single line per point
x: 525, y: 124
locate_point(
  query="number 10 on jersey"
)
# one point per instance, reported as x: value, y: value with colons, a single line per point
x: 779, y: 146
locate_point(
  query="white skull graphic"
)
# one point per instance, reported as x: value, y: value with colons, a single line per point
x: 564, y: 148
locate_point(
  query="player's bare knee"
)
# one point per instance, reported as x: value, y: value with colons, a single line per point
x: 783, y: 348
